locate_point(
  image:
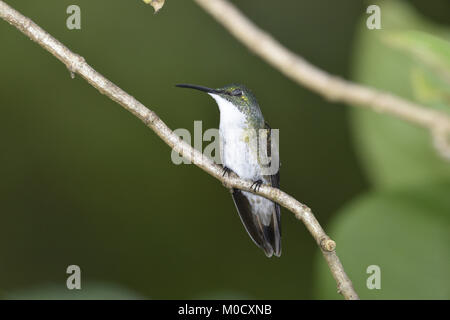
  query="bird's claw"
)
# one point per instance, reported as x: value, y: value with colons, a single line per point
x: 226, y: 171
x: 256, y: 185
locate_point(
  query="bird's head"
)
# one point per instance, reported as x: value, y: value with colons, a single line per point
x: 236, y: 94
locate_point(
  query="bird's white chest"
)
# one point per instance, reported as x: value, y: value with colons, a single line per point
x: 236, y: 141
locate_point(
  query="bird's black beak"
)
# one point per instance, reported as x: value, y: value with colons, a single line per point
x: 196, y: 87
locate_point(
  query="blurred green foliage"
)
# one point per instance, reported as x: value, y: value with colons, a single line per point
x: 405, y: 233
x: 403, y: 225
x: 400, y: 59
x: 430, y: 73
x: 90, y: 290
x: 84, y: 182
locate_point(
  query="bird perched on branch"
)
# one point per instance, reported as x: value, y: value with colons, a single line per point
x: 250, y: 151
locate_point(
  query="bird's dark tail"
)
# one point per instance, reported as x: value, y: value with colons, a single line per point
x: 272, y: 233
x: 266, y: 236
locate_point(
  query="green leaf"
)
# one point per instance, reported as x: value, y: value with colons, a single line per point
x: 405, y: 233
x: 410, y: 64
x: 428, y: 49
x: 430, y: 78
x: 429, y: 90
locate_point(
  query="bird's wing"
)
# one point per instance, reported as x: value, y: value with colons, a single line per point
x: 266, y: 235
x: 275, y: 224
x: 251, y: 222
x: 275, y: 178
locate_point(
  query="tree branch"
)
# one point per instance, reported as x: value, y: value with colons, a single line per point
x: 329, y: 86
x: 76, y: 64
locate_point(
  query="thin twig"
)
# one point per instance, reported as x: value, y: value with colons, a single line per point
x: 77, y: 64
x: 331, y: 87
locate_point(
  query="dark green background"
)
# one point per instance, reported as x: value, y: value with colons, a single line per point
x: 84, y: 182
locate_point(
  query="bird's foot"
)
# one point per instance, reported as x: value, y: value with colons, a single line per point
x: 256, y: 185
x: 226, y: 171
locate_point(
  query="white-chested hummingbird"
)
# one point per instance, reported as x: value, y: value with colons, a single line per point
x: 242, y: 130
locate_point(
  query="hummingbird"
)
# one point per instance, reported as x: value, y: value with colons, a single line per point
x: 241, y: 121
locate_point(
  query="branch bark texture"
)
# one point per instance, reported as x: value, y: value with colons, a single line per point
x: 77, y: 65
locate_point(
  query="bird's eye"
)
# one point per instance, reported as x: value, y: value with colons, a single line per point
x: 236, y: 92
